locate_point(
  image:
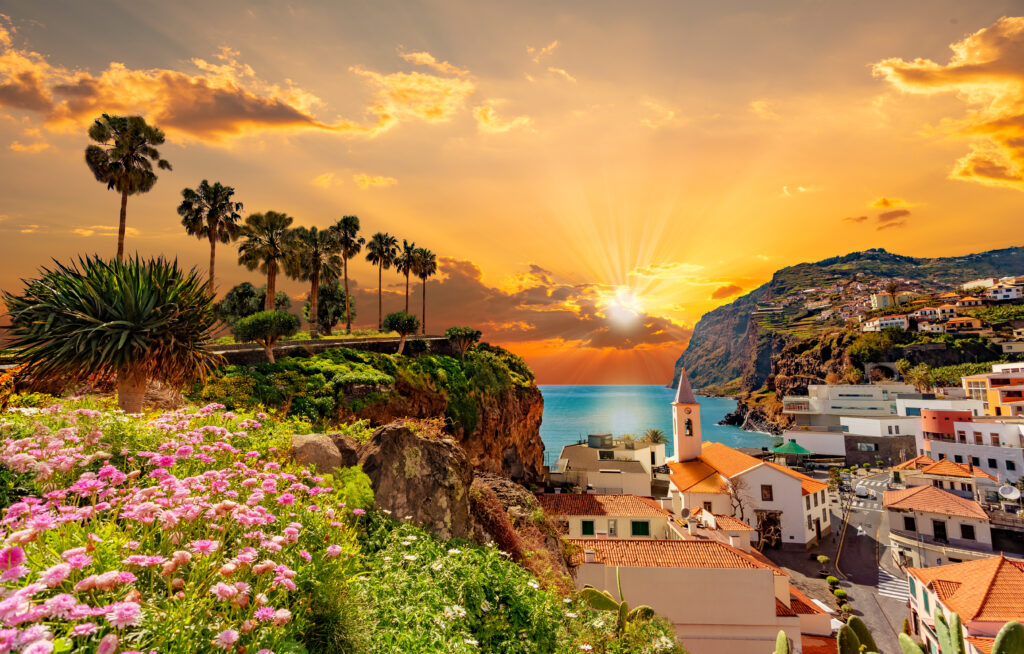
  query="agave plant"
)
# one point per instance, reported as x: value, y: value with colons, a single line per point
x: 854, y: 637
x: 602, y: 600
x: 133, y: 319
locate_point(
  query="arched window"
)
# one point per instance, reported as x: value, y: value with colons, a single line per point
x: 689, y: 427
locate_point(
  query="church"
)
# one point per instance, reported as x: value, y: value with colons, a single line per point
x: 789, y: 509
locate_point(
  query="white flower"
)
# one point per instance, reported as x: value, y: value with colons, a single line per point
x: 533, y: 584
x: 437, y: 565
x: 407, y: 542
x: 454, y: 611
x: 585, y: 647
x: 454, y: 551
x: 410, y: 557
x: 570, y: 614
x: 470, y: 641
x: 598, y: 624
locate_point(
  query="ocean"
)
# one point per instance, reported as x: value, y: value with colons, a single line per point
x: 572, y: 412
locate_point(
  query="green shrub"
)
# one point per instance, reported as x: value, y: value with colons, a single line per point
x: 832, y: 581
x: 266, y: 328
x: 839, y: 593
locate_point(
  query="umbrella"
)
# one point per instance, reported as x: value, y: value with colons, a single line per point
x: 792, y: 447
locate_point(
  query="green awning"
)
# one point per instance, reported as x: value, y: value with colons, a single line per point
x: 792, y: 447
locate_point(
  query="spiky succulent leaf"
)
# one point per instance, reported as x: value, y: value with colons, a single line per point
x: 641, y: 613
x: 782, y: 643
x: 847, y: 641
x: 600, y: 600
x: 1010, y: 639
x: 863, y: 633
x: 908, y: 646
x: 97, y: 317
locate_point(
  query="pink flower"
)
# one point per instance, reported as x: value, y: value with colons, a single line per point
x: 306, y: 555
x: 108, y: 645
x: 11, y: 557
x: 223, y: 591
x: 333, y: 551
x: 282, y: 617
x: 55, y: 575
x: 204, y: 546
x: 38, y: 647
x: 226, y: 639
x: 79, y: 561
x: 123, y: 614
x: 286, y: 499
x: 84, y: 629
x: 264, y: 614
x: 358, y: 511
x: 17, y: 572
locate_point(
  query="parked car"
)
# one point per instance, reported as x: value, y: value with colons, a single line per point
x: 862, y: 491
x: 845, y: 488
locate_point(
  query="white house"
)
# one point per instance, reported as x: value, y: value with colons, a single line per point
x: 992, y: 445
x: 789, y: 509
x: 606, y: 465
x: 1001, y: 292
x: 985, y: 594
x: 931, y: 327
x: 880, y: 301
x: 929, y: 526
x: 884, y: 322
x: 825, y: 404
x: 609, y: 516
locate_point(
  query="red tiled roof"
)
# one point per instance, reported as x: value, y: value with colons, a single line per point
x: 915, y: 463
x: 650, y: 553
x: 783, y: 610
x: 613, y: 505
x: 722, y: 521
x: 933, y: 500
x: 801, y: 604
x: 985, y: 590
x: 983, y: 645
x: 726, y: 460
x: 818, y: 644
x: 807, y: 485
x: 948, y: 468
x: 696, y: 477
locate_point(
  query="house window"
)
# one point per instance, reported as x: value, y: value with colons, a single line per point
x: 807, y: 502
x: 924, y: 596
x: 913, y: 587
x: 975, y: 461
x: 640, y: 528
x: 815, y: 499
x: 587, y: 527
x: 689, y: 427
x: 867, y: 447
x: 606, y: 455
x: 958, y: 458
x: 707, y: 506
x: 766, y: 493
x: 967, y: 532
x: 613, y: 529
x: 992, y: 464
x: 995, y: 439
x: 824, y: 516
x: 909, y: 523
x: 1010, y: 465
x: 890, y: 430
x: 809, y: 524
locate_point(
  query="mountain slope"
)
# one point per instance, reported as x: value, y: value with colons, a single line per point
x: 730, y: 343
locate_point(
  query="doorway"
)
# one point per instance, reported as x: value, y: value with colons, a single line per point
x: 939, y: 529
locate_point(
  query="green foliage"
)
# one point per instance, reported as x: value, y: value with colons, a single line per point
x: 119, y: 317
x: 823, y: 560
x: 950, y: 633
x: 1010, y: 639
x: 840, y: 594
x: 462, y: 338
x: 908, y: 646
x: 832, y: 581
x: 266, y: 327
x: 416, y: 347
x: 602, y: 600
x: 997, y: 314
x: 950, y: 375
x: 401, y: 322
x: 655, y: 436
x: 354, y: 487
x: 871, y: 346
x: 330, y: 306
x: 244, y: 300
x: 847, y: 641
x: 13, y: 486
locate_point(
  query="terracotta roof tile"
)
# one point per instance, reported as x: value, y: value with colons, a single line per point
x: 807, y: 484
x: 726, y: 460
x: 989, y: 589
x: 783, y: 610
x: 915, y: 463
x: 696, y: 477
x: 932, y: 500
x: 613, y: 505
x: 802, y: 604
x: 948, y: 468
x: 649, y: 553
x: 818, y: 644
x: 983, y: 645
x: 722, y: 521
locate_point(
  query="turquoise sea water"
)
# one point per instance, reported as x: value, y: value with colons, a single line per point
x: 572, y: 412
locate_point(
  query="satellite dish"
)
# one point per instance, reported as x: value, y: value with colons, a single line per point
x: 1009, y: 492
x: 685, y: 513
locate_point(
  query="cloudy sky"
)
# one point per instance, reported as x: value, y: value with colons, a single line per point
x: 593, y: 175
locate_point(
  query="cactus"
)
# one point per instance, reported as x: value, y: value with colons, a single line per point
x: 863, y: 633
x: 782, y: 643
x: 908, y: 646
x: 602, y: 600
x: 847, y: 641
x: 1010, y: 639
x: 950, y: 633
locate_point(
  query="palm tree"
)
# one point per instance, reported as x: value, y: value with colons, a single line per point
x: 655, y: 436
x: 136, y: 320
x: 124, y: 159
x: 314, y: 257
x: 405, y: 263
x: 266, y: 242
x: 208, y: 212
x: 425, y: 266
x: 350, y: 243
x: 381, y: 250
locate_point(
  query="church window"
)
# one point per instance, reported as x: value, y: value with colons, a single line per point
x: 689, y: 427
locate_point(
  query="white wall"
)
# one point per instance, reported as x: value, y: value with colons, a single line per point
x: 620, y: 483
x: 820, y: 442
x: 659, y: 528
x: 786, y: 497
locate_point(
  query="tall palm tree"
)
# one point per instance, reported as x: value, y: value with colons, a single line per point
x: 350, y: 243
x: 425, y: 266
x: 124, y: 159
x: 381, y: 250
x: 404, y: 263
x: 314, y: 257
x: 266, y: 243
x: 209, y: 212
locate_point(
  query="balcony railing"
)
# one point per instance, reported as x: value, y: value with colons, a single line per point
x: 916, y: 538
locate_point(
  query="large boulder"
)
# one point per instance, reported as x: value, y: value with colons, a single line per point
x: 348, y: 449
x: 317, y: 450
x: 423, y: 480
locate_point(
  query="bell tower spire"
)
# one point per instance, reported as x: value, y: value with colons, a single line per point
x: 685, y: 421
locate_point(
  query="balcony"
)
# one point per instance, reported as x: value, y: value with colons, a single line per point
x: 914, y: 539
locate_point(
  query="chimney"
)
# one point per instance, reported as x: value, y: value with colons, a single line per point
x: 691, y: 526
x: 589, y: 556
x: 739, y: 542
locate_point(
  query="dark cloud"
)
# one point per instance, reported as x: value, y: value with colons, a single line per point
x: 540, y: 309
x: 896, y: 214
x: 723, y: 292
x: 855, y: 219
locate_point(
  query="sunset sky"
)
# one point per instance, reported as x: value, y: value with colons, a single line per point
x: 593, y: 176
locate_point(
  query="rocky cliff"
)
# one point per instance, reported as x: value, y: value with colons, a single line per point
x: 733, y: 346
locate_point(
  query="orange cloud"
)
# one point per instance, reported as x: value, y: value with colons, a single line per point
x: 986, y: 71
x: 763, y: 110
x: 365, y: 181
x: 487, y: 119
x: 427, y: 59
x: 855, y: 219
x: 561, y: 72
x: 889, y: 203
x: 415, y: 95
x: 37, y: 146
x: 662, y: 115
x: 538, y: 53
x: 323, y: 181
x: 103, y: 230
x: 723, y: 292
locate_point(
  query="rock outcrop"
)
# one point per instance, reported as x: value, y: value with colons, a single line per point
x: 425, y: 481
x: 504, y: 440
x: 316, y: 450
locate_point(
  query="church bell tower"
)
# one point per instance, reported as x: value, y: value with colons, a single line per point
x: 685, y: 421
